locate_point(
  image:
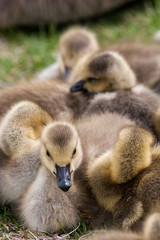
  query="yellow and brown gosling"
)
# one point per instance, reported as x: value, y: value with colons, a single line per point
x: 114, y: 159
x: 49, y: 203
x: 103, y: 71
x: 20, y: 132
x: 61, y: 183
x: 73, y: 44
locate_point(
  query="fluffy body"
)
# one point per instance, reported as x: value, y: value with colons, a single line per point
x: 129, y: 199
x: 144, y: 60
x: 118, y: 164
x: 104, y: 71
x: 28, y: 135
x: 152, y: 227
x: 78, y: 43
x: 91, y: 147
x: 150, y: 232
x: 54, y: 98
x: 51, y: 72
x: 106, y: 156
x: 139, y: 104
x: 114, y: 235
x: 49, y: 206
x: 20, y: 133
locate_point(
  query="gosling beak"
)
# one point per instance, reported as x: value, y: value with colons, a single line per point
x: 78, y: 86
x: 64, y: 177
x: 66, y: 73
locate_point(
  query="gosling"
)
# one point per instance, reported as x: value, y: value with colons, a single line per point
x: 73, y: 44
x: 68, y: 160
x: 112, y: 82
x: 104, y: 71
x: 20, y: 133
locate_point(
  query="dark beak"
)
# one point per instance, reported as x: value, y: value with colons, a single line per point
x: 64, y: 177
x: 78, y: 86
x: 66, y: 73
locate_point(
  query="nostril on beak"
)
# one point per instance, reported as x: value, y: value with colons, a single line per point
x: 69, y: 178
x: 65, y: 185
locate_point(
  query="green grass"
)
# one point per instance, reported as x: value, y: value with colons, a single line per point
x: 24, y: 51
x: 136, y: 23
x: 12, y: 228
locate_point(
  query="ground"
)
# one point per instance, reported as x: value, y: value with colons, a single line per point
x: 25, y: 51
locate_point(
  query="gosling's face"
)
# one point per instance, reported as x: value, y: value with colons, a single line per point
x: 96, y: 75
x: 61, y: 152
x: 105, y: 71
x: 73, y: 45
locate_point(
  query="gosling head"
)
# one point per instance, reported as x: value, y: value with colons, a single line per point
x: 73, y: 44
x: 105, y: 71
x: 61, y: 152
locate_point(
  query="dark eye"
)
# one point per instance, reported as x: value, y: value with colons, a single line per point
x: 48, y: 154
x: 92, y: 80
x: 74, y: 152
x: 110, y: 84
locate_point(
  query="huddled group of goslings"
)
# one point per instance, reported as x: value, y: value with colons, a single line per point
x: 83, y: 139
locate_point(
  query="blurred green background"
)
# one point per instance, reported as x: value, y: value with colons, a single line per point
x: 24, y: 51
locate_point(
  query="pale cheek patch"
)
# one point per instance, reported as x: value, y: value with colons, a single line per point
x: 49, y: 164
x: 138, y: 89
x: 106, y: 96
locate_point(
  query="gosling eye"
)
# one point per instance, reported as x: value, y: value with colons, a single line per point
x: 48, y: 154
x: 92, y: 80
x: 74, y: 152
x: 110, y: 84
